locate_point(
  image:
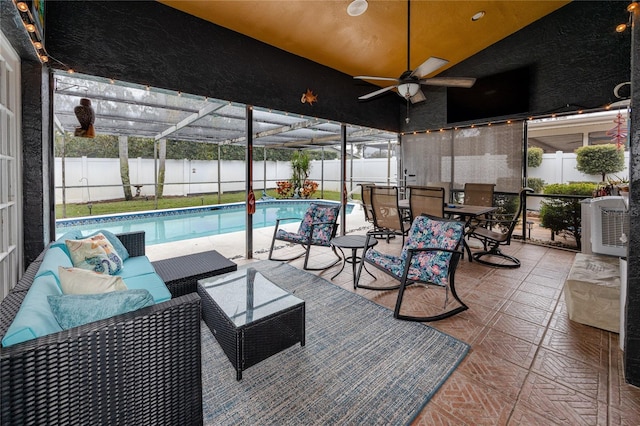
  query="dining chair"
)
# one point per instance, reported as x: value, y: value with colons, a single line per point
x: 495, y: 232
x: 427, y: 200
x: 429, y: 257
x: 387, y: 216
x: 479, y: 194
x: 365, y: 195
x: 317, y: 228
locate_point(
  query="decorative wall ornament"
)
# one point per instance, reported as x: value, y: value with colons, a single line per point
x: 619, y: 133
x: 309, y: 97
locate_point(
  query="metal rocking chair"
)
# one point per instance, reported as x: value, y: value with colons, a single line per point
x: 495, y: 232
x: 317, y: 228
x: 430, y: 256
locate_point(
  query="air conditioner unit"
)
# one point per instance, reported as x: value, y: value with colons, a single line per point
x: 609, y: 226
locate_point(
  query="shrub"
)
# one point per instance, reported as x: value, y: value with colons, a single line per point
x: 534, y: 156
x: 600, y: 159
x: 284, y: 189
x: 560, y: 214
x: 309, y: 188
x: 537, y: 184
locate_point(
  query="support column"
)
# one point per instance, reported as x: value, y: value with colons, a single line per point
x: 249, y: 180
x: 343, y: 178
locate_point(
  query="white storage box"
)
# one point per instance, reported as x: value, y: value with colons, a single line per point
x: 592, y: 291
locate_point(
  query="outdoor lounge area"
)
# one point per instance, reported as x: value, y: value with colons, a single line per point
x: 528, y: 363
x: 224, y: 331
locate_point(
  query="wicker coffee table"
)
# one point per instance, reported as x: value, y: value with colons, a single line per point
x: 251, y: 317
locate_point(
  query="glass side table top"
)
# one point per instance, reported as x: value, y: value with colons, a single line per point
x: 247, y: 295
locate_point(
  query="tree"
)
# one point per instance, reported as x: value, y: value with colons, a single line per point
x: 301, y: 166
x: 162, y: 155
x: 123, y: 150
x: 600, y: 159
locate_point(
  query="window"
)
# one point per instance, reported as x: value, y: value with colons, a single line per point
x: 10, y: 168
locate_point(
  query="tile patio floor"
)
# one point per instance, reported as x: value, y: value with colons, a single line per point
x: 529, y: 364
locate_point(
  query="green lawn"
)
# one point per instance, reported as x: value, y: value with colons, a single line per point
x: 142, y: 204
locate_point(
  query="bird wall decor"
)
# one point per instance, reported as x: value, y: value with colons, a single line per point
x: 86, y: 117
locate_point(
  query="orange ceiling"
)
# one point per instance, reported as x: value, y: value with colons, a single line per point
x: 374, y: 43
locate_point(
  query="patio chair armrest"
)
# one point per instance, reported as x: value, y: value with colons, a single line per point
x: 377, y: 233
x: 491, y: 222
x: 314, y: 224
x: 287, y: 218
x: 412, y: 251
x: 283, y: 218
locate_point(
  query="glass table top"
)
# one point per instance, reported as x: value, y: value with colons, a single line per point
x: 246, y: 295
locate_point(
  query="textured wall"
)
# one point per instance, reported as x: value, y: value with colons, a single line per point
x: 36, y: 164
x: 632, y: 336
x: 575, y: 56
x: 37, y: 216
x: 149, y: 43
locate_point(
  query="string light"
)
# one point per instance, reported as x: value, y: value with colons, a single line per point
x: 34, y: 34
x: 631, y: 8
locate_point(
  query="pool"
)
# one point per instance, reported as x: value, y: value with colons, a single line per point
x: 164, y: 226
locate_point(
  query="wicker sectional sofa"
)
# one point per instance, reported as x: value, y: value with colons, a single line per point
x: 142, y: 367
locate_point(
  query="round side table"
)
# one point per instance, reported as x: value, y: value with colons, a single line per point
x: 355, y: 243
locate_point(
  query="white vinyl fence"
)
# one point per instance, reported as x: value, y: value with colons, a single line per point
x: 96, y: 179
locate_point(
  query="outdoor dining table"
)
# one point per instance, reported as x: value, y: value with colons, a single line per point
x: 465, y: 211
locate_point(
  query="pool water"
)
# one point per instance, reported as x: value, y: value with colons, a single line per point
x: 166, y: 226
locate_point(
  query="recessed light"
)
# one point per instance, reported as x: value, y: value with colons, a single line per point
x: 478, y: 15
x: 357, y: 7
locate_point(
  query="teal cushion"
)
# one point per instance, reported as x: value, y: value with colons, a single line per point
x: 71, y: 235
x: 54, y: 258
x: 138, y: 265
x: 34, y: 318
x: 115, y: 242
x: 73, y: 310
x: 151, y: 282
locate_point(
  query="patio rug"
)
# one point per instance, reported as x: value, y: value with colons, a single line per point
x: 359, y: 365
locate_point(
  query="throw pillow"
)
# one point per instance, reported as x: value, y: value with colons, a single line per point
x: 83, y: 281
x: 95, y: 253
x: 115, y: 242
x: 73, y: 310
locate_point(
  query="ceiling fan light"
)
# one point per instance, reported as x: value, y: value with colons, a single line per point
x: 357, y: 7
x: 408, y: 90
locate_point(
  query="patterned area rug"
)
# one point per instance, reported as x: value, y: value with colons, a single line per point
x: 359, y: 365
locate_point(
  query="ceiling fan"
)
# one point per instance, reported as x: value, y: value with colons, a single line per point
x: 408, y: 84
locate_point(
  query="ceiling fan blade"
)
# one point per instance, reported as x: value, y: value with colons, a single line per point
x: 368, y: 77
x: 465, y: 82
x: 429, y: 66
x: 376, y: 93
x: 418, y: 97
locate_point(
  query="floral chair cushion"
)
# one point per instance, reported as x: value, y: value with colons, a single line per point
x: 432, y: 267
x: 325, y: 215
